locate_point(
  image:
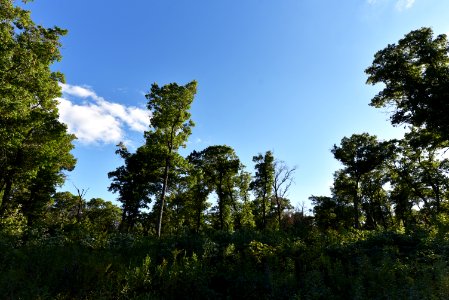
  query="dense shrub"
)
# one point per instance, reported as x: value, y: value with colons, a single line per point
x: 246, y: 264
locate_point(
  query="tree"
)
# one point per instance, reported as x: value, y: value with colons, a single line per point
x: 170, y: 128
x: 415, y: 72
x: 80, y: 203
x: 68, y: 212
x: 331, y: 213
x: 375, y: 203
x: 135, y: 182
x: 360, y: 154
x: 221, y: 165
x: 262, y: 185
x: 246, y: 217
x: 419, y: 175
x: 199, y: 188
x: 63, y: 213
x: 282, y: 181
x: 34, y: 146
x: 103, y: 215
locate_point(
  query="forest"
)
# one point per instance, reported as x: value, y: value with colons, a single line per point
x: 205, y: 226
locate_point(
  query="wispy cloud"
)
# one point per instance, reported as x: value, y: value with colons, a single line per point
x: 404, y: 4
x: 400, y: 5
x: 78, y: 91
x: 97, y: 120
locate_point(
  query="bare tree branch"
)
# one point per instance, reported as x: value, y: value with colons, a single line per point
x: 283, y: 179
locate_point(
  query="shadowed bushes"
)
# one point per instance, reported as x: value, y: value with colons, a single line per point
x: 244, y: 264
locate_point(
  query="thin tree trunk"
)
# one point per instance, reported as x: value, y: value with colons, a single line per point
x: 264, y: 214
x: 164, y: 191
x: 356, y: 205
x: 123, y: 226
x: 5, y: 198
x: 278, y: 202
x: 238, y: 217
x: 220, y: 203
x: 198, y: 220
x: 9, y: 178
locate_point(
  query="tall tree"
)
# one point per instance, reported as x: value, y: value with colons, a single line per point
x: 415, y: 72
x: 135, y: 182
x: 419, y: 175
x: 360, y: 154
x: 200, y: 188
x: 221, y: 166
x: 262, y: 185
x: 246, y: 217
x: 170, y: 128
x: 34, y: 146
x: 375, y: 203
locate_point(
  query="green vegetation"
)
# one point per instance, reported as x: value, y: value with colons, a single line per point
x: 382, y: 234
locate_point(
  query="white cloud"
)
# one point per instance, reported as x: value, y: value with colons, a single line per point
x: 97, y: 120
x: 77, y: 91
x: 404, y: 4
x: 89, y: 123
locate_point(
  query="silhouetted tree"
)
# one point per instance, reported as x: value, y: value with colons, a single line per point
x: 262, y: 186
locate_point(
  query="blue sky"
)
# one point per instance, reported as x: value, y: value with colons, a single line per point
x: 284, y: 75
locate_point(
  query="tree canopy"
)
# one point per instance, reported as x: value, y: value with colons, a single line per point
x: 34, y: 144
x: 415, y: 72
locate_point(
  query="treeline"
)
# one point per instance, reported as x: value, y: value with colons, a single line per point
x: 179, y: 189
x: 204, y: 226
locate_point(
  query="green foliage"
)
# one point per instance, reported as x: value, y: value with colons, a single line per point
x: 146, y: 173
x: 331, y: 213
x: 102, y: 215
x: 135, y: 182
x: 35, y: 146
x: 222, y: 265
x: 419, y: 178
x: 170, y: 128
x: 361, y: 181
x: 415, y: 72
x: 262, y: 185
x: 13, y: 225
x: 220, y: 166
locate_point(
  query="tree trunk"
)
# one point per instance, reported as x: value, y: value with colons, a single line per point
x: 198, y: 220
x: 220, y: 203
x: 123, y: 226
x: 164, y: 191
x: 279, y: 210
x: 264, y: 214
x: 5, y: 198
x: 238, y: 222
x: 356, y: 205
